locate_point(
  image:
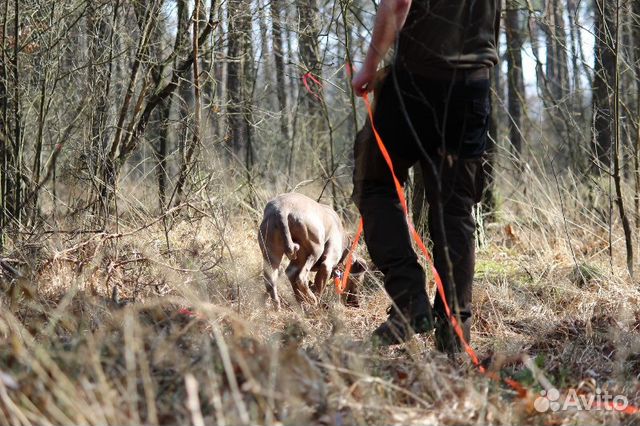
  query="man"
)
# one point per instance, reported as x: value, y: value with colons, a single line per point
x: 431, y: 109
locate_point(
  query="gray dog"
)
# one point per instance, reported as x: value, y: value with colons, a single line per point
x: 311, y: 235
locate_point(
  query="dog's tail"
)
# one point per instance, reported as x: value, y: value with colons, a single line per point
x: 290, y: 248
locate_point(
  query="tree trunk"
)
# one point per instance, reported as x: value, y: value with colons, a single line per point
x: 616, y: 175
x: 308, y: 42
x: 185, y: 85
x: 636, y: 148
x: 100, y: 49
x: 180, y: 45
x: 239, y: 58
x: 162, y: 149
x: 572, y: 10
x: 278, y: 56
x: 207, y: 79
x: 603, y: 81
x: 248, y: 86
x: 195, y: 142
x: 488, y: 195
x: 577, y: 101
x: 554, y: 83
x: 235, y: 39
x: 557, y: 72
x: 5, y: 156
x: 513, y: 29
x: 17, y: 121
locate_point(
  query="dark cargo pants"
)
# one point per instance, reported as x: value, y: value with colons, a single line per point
x: 441, y: 124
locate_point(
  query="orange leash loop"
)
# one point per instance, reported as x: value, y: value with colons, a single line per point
x: 305, y: 81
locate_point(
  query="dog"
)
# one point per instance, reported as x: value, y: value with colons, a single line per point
x: 311, y: 235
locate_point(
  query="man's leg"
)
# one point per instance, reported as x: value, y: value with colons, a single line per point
x: 451, y: 227
x: 453, y: 178
x: 389, y: 242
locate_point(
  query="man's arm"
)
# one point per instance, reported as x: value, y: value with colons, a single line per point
x: 389, y: 21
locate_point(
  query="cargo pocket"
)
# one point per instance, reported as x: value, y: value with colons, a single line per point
x: 480, y: 179
x: 476, y: 123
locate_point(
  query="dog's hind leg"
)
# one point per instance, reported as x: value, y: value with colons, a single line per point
x: 270, y: 275
x: 297, y: 272
x: 272, y: 254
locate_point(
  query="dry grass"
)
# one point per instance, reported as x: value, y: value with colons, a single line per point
x: 69, y: 354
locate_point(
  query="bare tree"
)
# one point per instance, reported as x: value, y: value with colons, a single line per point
x: 636, y: 145
x: 309, y: 49
x: 5, y: 152
x: 603, y: 81
x: 100, y: 41
x: 557, y: 72
x: 278, y: 55
x: 195, y: 143
x: 616, y: 175
x: 239, y: 59
x: 489, y: 164
x: 180, y: 48
x: 515, y: 79
x: 18, y: 146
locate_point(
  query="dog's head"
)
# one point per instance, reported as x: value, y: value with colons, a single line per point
x: 356, y: 276
x: 358, y: 265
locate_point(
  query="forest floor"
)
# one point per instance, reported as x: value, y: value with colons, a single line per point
x: 191, y: 338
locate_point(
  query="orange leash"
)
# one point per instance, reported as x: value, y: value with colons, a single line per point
x: 341, y: 285
x: 403, y: 202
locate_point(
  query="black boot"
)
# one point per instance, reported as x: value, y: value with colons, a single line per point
x: 403, y: 323
x: 447, y: 339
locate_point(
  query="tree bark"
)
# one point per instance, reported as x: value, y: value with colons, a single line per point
x: 162, y: 150
x: 236, y: 129
x: 248, y: 86
x: 164, y: 132
x: 278, y: 56
x: 603, y: 81
x: 239, y: 42
x: 617, y: 178
x: 195, y: 143
x: 557, y: 71
x: 636, y: 147
x: 5, y: 156
x: 100, y: 50
x: 489, y: 195
x: 554, y: 83
x: 17, y: 120
x: 308, y: 42
x: 513, y: 29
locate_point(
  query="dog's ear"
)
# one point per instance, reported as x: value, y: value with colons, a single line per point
x: 359, y: 266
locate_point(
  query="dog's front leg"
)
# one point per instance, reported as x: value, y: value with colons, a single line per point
x: 320, y: 280
x: 297, y: 274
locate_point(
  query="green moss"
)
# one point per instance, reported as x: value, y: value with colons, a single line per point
x: 493, y: 268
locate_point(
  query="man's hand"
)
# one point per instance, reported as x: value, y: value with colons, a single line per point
x: 362, y: 81
x: 389, y: 21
